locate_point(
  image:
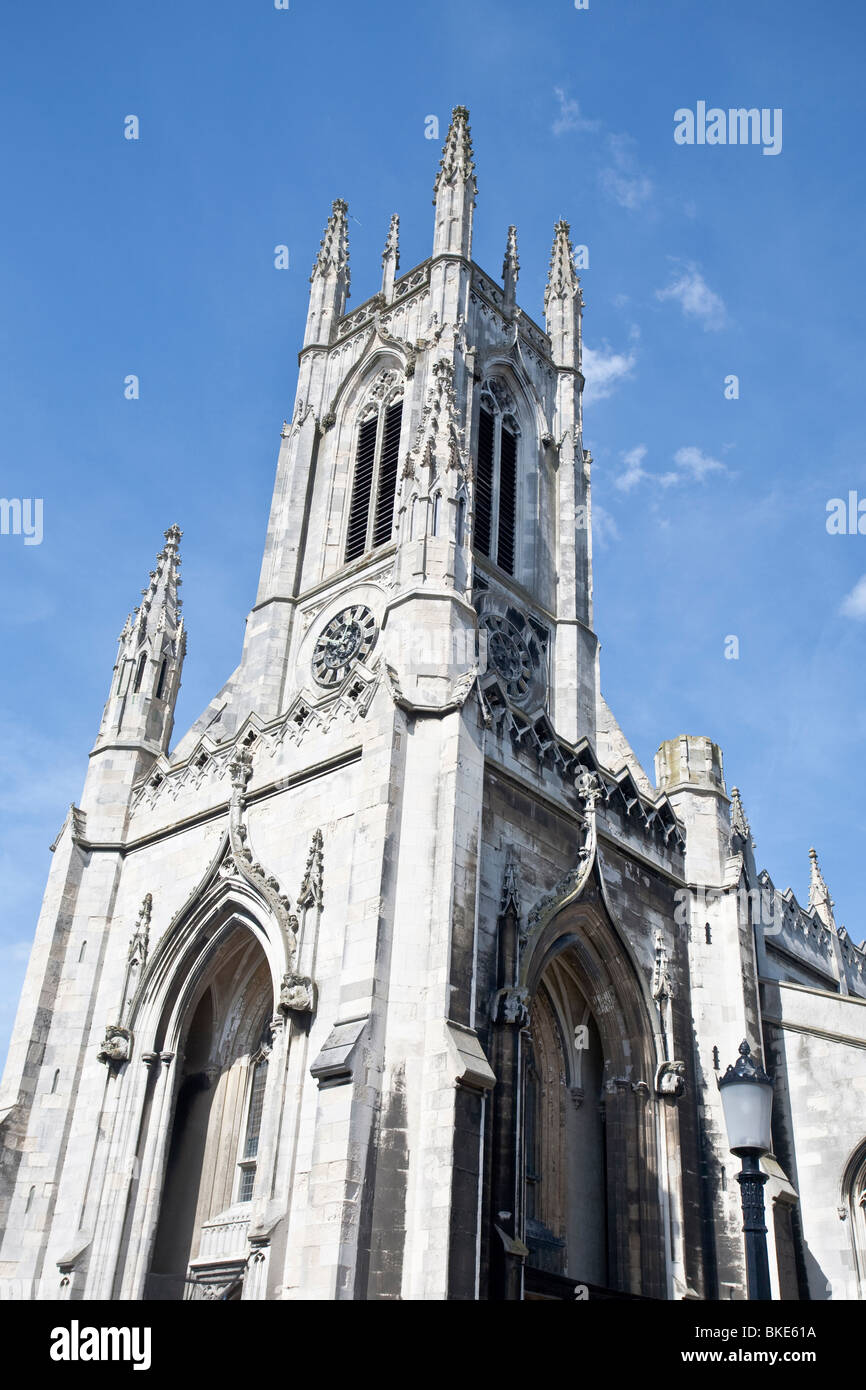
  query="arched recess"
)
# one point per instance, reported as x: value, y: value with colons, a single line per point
x: 210, y: 1169
x: 854, y: 1207
x: 598, y: 1185
x: 198, y: 1020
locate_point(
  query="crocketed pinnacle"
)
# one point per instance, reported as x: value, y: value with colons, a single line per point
x: 333, y: 257
x: 160, y: 603
x: 510, y: 265
x: 392, y: 243
x: 456, y: 162
x: 562, y: 277
x: 819, y: 894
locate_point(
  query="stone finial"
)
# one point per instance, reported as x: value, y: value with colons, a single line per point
x: 457, y: 162
x: 819, y: 894
x: 739, y: 821
x: 391, y: 259
x: 563, y: 301
x: 510, y: 895
x: 562, y: 279
x: 454, y: 190
x: 333, y: 257
x: 510, y: 266
x: 311, y: 886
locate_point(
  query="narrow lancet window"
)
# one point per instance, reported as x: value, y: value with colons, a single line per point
x: 496, y: 480
x: 371, y: 511
x: 253, y: 1131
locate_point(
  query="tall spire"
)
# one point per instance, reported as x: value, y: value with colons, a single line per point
x: 329, y: 281
x: 510, y: 268
x: 455, y: 189
x: 391, y: 259
x: 563, y: 300
x: 819, y: 894
x: 151, y: 649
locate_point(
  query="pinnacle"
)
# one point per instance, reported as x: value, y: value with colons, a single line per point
x: 334, y: 246
x: 456, y: 162
x: 562, y: 277
x: 511, y: 264
x: 392, y: 242
x: 819, y: 894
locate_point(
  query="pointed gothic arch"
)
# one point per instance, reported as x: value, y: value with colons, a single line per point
x: 853, y: 1210
x: 601, y: 1210
x: 166, y: 1135
x: 208, y: 1177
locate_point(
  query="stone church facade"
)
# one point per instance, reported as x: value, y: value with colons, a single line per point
x: 397, y: 977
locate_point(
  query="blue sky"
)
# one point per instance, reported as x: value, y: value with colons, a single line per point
x: 155, y: 257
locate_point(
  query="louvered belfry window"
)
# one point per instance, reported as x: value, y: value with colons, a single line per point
x: 371, y: 510
x: 496, y: 478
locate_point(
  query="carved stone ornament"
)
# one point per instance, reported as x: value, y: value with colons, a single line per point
x: 348, y: 637
x: 670, y: 1079
x: 509, y: 656
x: 662, y: 983
x: 297, y: 994
x: 512, y: 1006
x: 572, y: 885
x: 116, y: 1046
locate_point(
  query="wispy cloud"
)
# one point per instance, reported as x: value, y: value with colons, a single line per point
x: 691, y: 465
x: 622, y: 180
x: 634, y: 470
x: 604, y: 527
x: 570, y: 116
x: 854, y: 604
x: 694, y: 296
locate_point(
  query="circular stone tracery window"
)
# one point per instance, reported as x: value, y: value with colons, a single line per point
x: 509, y: 656
x: 348, y: 637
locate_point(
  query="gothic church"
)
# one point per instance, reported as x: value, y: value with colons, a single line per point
x: 397, y: 977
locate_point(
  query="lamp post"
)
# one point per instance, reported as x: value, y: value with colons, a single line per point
x: 747, y: 1100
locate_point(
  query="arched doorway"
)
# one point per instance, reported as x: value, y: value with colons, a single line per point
x: 564, y: 1147
x: 590, y: 1187
x: 200, y: 1244
x: 854, y: 1206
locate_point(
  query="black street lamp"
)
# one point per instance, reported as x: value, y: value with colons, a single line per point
x: 747, y: 1100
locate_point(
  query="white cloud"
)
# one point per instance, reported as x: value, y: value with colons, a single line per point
x: 604, y: 369
x: 622, y: 180
x: 695, y: 298
x: 854, y: 604
x: 690, y: 460
x: 604, y: 527
x: 570, y: 117
x: 690, y: 466
x: 634, y: 471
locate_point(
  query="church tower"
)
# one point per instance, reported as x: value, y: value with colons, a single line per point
x: 373, y: 986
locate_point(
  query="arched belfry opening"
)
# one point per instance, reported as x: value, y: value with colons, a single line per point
x: 211, y: 1168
